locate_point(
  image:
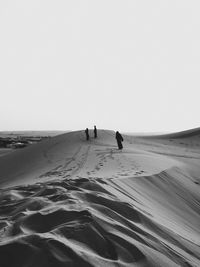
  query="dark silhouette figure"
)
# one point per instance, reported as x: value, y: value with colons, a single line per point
x: 95, y: 132
x: 87, y: 134
x: 119, y: 140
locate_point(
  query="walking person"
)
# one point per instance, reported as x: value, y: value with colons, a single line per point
x: 120, y: 139
x: 87, y: 134
x: 95, y: 132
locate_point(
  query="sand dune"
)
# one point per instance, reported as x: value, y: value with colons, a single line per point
x: 69, y: 202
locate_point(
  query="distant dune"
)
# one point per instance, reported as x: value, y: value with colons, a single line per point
x: 29, y: 133
x: 70, y: 202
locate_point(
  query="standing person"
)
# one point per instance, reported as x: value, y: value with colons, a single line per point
x: 119, y: 140
x: 95, y: 132
x: 87, y: 134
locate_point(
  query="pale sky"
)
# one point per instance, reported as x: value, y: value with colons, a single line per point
x: 129, y: 65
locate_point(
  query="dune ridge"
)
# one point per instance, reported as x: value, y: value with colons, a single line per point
x: 68, y: 202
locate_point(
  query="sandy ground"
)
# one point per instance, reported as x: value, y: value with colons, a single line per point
x: 4, y: 151
x: 70, y: 202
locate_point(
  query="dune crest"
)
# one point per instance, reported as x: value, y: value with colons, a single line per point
x: 71, y: 202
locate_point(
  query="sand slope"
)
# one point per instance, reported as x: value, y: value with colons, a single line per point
x: 69, y: 202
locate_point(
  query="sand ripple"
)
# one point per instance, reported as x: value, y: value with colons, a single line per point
x: 78, y: 223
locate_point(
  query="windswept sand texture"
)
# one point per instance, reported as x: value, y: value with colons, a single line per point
x: 69, y: 202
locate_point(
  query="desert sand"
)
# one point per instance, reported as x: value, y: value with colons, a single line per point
x: 70, y: 202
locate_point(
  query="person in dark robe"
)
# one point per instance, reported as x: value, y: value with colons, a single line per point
x: 119, y: 139
x: 95, y: 132
x: 87, y: 134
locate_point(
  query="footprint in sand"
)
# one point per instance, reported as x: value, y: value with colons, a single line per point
x: 124, y: 174
x: 139, y: 172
